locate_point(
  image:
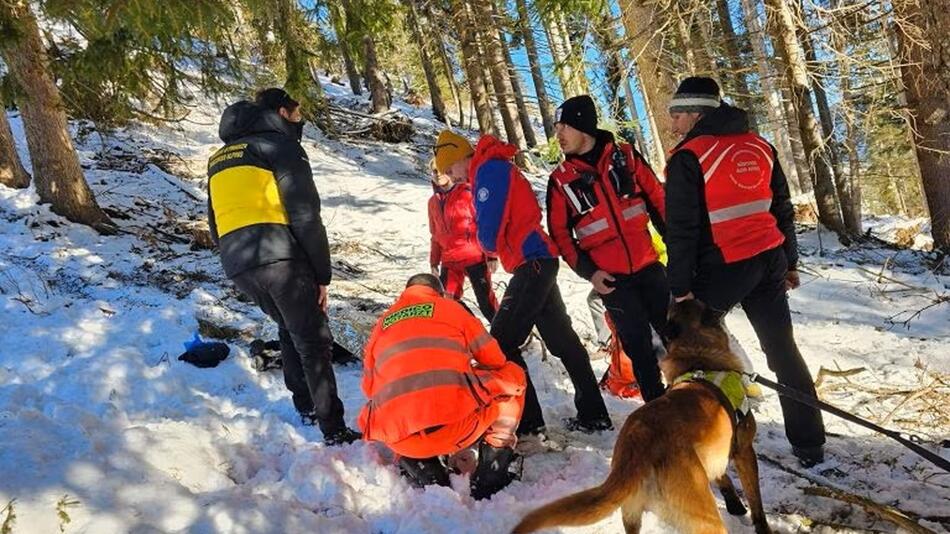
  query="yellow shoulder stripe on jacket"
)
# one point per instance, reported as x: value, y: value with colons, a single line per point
x: 245, y: 195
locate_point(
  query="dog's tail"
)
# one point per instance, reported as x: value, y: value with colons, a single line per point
x: 592, y: 505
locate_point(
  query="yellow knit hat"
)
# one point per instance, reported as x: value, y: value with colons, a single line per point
x: 450, y: 147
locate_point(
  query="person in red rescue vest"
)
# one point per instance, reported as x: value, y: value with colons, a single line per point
x: 600, y: 200
x: 438, y: 383
x: 454, y: 253
x: 731, y: 238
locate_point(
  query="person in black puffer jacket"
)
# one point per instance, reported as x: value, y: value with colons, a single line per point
x: 264, y: 215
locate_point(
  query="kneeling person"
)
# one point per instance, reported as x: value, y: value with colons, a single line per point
x: 438, y: 383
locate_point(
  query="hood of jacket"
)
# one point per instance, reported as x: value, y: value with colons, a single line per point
x: 245, y: 118
x: 490, y: 147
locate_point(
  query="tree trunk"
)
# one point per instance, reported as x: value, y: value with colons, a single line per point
x: 560, y: 47
x: 378, y: 95
x: 828, y: 132
x: 641, y: 20
x: 473, y: 70
x: 783, y: 121
x: 607, y: 40
x: 435, y: 92
x: 926, y: 77
x: 544, y: 104
x: 692, y: 39
x: 300, y: 81
x: 790, y: 50
x: 637, y: 126
x: 431, y: 27
x: 742, y: 94
x: 850, y: 190
x: 339, y: 22
x: 504, y: 92
x: 59, y: 177
x: 12, y: 173
x: 526, y: 127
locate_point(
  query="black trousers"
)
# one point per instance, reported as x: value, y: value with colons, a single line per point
x: 533, y: 299
x: 758, y: 283
x: 287, y: 292
x: 478, y: 276
x: 638, y: 301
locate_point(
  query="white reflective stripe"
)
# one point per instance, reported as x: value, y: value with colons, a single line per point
x: 706, y: 154
x: 572, y: 198
x: 708, y: 174
x: 633, y: 211
x: 759, y: 148
x: 742, y: 210
x: 591, y: 229
x: 711, y: 102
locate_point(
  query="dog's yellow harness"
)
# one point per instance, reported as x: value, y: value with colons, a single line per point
x: 733, y: 386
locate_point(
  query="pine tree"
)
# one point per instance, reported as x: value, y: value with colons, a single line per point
x: 473, y: 70
x: 59, y: 178
x: 789, y: 48
x: 534, y: 63
x: 642, y: 19
x: 498, y: 69
x: 435, y: 92
x: 12, y: 173
x: 925, y: 58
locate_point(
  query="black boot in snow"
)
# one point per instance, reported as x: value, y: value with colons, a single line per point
x: 421, y: 472
x: 497, y: 467
x: 576, y: 424
x: 341, y: 436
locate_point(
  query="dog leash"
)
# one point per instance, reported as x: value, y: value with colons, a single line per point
x: 796, y: 395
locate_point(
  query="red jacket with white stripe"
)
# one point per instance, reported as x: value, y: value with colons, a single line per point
x: 727, y: 199
x: 598, y: 215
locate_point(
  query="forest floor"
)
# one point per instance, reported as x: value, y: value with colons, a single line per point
x: 102, y: 429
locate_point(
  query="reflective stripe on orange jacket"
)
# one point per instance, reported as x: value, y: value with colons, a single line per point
x: 418, y: 370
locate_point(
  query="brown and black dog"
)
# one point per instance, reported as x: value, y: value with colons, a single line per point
x: 669, y: 450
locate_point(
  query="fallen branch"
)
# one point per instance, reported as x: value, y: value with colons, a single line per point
x: 823, y: 372
x: 883, y: 511
x: 907, y: 398
x: 824, y: 488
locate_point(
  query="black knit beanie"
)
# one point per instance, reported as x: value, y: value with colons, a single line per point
x: 275, y: 98
x: 580, y: 113
x: 696, y: 94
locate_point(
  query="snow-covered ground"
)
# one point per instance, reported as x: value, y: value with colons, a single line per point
x: 102, y: 426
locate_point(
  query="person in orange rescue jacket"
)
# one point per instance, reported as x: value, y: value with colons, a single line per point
x: 454, y: 253
x: 600, y: 201
x: 731, y: 238
x: 508, y: 220
x: 438, y: 383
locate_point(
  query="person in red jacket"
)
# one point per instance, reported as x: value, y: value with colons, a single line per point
x: 437, y: 383
x: 508, y: 222
x: 454, y: 252
x: 600, y: 200
x: 731, y: 238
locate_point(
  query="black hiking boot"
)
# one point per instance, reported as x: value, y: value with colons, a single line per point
x: 576, y: 424
x: 421, y: 472
x: 809, y: 456
x: 341, y: 436
x: 497, y: 467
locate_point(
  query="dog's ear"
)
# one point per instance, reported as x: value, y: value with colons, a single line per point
x: 711, y: 317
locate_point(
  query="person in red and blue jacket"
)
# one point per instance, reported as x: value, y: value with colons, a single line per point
x: 454, y: 252
x: 508, y: 221
x: 600, y: 201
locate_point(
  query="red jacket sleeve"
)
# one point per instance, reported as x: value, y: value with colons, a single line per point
x: 435, y: 251
x: 655, y: 195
